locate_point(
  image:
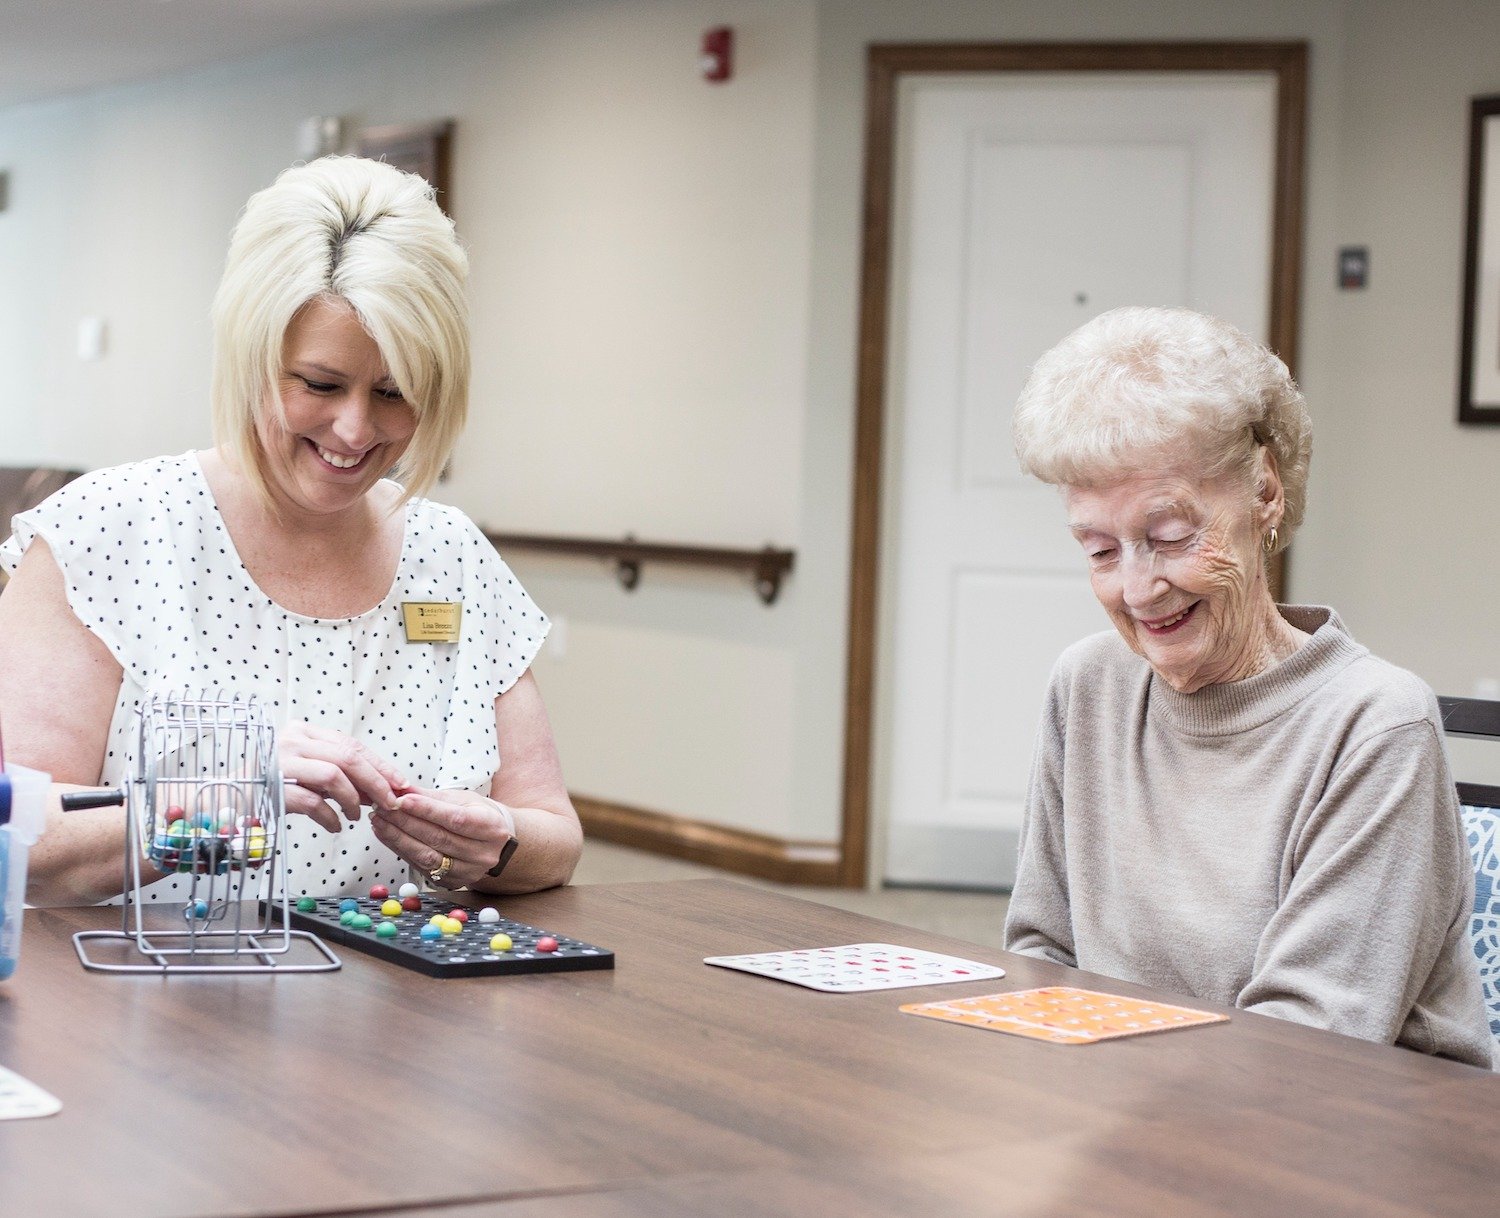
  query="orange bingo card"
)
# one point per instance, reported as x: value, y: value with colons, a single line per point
x: 1062, y: 1015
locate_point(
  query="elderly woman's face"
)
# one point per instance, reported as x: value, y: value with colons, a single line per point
x: 346, y: 421
x: 1176, y: 562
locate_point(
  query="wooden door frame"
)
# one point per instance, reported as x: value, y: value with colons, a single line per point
x: 887, y: 64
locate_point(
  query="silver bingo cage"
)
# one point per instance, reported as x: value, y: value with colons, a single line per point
x: 204, y: 800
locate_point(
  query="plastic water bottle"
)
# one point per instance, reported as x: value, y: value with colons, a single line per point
x: 23, y: 816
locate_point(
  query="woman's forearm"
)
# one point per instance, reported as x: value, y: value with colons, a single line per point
x: 80, y: 857
x: 549, y: 843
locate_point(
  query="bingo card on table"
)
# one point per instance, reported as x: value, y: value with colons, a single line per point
x: 21, y: 1098
x: 856, y: 967
x: 1063, y: 1015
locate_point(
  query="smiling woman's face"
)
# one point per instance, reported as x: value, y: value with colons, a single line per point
x: 346, y: 421
x: 1176, y: 562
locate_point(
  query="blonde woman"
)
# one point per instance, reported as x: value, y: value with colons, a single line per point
x: 1230, y: 799
x: 278, y: 562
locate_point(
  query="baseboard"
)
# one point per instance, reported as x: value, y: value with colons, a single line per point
x: 952, y: 856
x: 737, y: 850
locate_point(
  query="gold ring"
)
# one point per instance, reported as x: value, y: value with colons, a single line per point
x: 436, y: 875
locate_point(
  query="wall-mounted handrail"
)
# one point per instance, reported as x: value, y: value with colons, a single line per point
x: 768, y: 566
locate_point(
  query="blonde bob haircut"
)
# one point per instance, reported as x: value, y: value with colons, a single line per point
x: 362, y: 232
x: 1136, y: 388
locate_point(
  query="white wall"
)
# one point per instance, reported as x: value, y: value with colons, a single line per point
x: 1401, y: 526
x: 665, y: 284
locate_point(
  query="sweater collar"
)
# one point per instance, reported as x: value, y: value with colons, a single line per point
x: 1238, y: 706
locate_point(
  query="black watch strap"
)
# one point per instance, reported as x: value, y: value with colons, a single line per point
x: 505, y: 853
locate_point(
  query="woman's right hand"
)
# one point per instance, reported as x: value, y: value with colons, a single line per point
x: 325, y: 767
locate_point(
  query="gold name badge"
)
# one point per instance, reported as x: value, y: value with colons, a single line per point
x: 432, y: 621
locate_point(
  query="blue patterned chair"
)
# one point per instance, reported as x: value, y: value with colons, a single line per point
x: 1482, y: 828
x: 1480, y: 806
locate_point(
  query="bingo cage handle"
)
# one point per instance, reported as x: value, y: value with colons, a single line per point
x: 76, y: 801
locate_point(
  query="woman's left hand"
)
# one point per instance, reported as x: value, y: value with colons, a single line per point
x: 463, y: 828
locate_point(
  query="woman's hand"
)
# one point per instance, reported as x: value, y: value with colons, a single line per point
x: 466, y: 829
x: 323, y: 766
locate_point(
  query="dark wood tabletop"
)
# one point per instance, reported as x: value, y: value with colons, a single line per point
x: 667, y: 1087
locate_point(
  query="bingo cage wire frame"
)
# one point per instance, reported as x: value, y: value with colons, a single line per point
x: 204, y: 799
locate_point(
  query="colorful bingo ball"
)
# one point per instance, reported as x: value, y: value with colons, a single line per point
x: 360, y: 921
x: 347, y: 917
x: 459, y: 915
x: 411, y: 904
x: 176, y: 813
x: 257, y: 844
x: 438, y: 920
x: 489, y: 914
x: 451, y: 926
x: 306, y: 904
x: 501, y: 943
x: 205, y: 820
x: 546, y: 944
x: 379, y: 892
x: 407, y: 890
x: 386, y: 930
x: 198, y: 909
x: 391, y: 909
x: 347, y: 904
x: 431, y: 932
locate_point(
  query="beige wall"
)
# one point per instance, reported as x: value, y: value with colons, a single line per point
x: 665, y: 278
x: 639, y: 242
x: 1402, y: 517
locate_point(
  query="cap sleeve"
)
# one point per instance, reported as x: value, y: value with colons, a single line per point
x: 503, y: 629
x: 107, y: 534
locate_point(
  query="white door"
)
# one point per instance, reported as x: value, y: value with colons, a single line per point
x: 1025, y: 205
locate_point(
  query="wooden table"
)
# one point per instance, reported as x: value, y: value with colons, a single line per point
x: 666, y: 1087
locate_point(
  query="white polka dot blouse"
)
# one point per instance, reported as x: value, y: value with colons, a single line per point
x: 152, y: 571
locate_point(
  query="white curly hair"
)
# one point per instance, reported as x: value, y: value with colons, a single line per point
x: 1135, y: 386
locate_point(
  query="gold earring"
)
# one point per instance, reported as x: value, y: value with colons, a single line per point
x: 1270, y: 541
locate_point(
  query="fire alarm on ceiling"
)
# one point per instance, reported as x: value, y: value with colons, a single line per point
x: 717, y: 57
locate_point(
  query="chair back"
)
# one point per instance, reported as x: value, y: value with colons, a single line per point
x: 1479, y: 719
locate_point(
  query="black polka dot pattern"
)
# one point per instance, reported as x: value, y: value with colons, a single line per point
x: 151, y: 570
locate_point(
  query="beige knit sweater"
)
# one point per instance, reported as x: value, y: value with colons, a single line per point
x: 1288, y: 844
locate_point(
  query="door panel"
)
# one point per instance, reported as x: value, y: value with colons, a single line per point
x: 1058, y: 233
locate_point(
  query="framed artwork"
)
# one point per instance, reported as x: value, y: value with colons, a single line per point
x: 425, y: 149
x: 1479, y: 360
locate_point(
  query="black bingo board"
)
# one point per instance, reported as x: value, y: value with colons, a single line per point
x: 466, y: 954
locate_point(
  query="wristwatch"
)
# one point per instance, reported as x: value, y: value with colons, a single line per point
x: 506, y: 851
x: 510, y: 847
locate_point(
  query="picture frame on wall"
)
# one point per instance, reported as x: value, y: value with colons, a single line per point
x: 425, y: 149
x: 1479, y: 358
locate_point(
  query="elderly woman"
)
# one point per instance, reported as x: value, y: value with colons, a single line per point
x: 1230, y: 799
x: 279, y: 561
